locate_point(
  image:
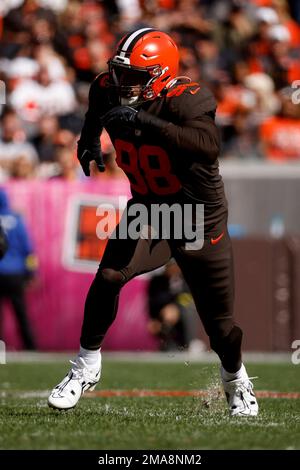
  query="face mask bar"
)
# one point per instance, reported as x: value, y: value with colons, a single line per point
x: 133, y: 85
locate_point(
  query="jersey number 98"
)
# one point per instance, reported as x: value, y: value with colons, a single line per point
x: 148, y: 168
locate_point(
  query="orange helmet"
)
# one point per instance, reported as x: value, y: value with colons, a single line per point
x: 145, y: 63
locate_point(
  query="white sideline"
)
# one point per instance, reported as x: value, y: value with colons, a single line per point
x: 142, y: 356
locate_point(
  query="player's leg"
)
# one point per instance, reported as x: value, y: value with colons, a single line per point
x: 123, y: 259
x: 99, y: 312
x: 210, y: 275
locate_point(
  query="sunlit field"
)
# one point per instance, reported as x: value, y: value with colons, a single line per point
x: 146, y: 405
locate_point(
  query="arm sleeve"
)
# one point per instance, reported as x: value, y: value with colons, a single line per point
x: 25, y: 243
x: 199, y: 136
x: 189, y: 122
x: 92, y: 127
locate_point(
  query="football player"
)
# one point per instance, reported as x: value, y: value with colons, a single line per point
x: 163, y: 129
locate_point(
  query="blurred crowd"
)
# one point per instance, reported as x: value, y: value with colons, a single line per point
x: 247, y: 51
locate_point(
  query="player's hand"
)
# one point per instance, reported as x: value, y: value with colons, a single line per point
x: 120, y: 115
x: 88, y: 153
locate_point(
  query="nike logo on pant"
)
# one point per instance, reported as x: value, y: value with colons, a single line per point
x: 214, y: 241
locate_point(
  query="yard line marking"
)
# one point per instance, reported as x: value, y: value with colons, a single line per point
x: 182, y: 393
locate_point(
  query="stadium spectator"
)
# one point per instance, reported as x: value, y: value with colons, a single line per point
x: 67, y: 164
x: 3, y: 242
x: 33, y: 98
x: 22, y: 169
x: 45, y: 140
x: 50, y: 51
x: 280, y: 134
x: 16, y: 268
x: 173, y: 317
x: 13, y: 144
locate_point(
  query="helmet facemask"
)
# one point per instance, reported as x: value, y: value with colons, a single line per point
x: 133, y: 85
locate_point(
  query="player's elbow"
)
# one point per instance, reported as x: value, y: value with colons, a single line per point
x: 209, y: 147
x: 206, y: 139
x: 214, y: 149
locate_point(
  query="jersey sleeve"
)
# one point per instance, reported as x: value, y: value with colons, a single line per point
x: 24, y: 242
x: 190, y: 101
x: 192, y: 125
x: 92, y: 127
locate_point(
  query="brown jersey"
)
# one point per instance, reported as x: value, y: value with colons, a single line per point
x: 177, y: 164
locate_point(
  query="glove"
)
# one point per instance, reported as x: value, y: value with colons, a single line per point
x: 120, y: 115
x: 88, y: 153
x: 132, y: 118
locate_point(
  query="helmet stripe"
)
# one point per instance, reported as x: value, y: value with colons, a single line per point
x: 131, y: 40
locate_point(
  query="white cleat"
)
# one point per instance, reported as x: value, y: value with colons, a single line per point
x: 80, y: 379
x: 240, y: 397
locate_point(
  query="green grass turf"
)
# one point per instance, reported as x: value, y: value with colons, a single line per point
x: 148, y: 422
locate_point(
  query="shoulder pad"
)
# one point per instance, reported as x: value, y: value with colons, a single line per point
x: 180, y: 88
x: 98, y: 86
x: 102, y: 79
x: 190, y: 100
